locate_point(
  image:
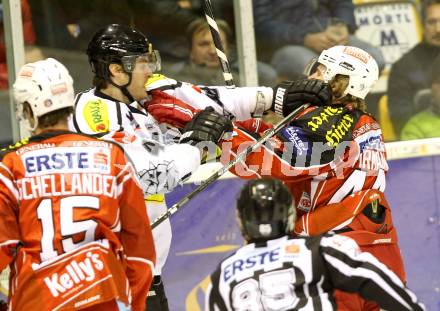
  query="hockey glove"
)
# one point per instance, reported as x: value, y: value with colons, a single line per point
x: 289, y: 95
x: 207, y: 125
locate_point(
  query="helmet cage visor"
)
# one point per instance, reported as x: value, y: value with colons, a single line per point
x: 146, y: 62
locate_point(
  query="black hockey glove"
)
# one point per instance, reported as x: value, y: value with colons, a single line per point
x: 289, y: 95
x: 206, y: 125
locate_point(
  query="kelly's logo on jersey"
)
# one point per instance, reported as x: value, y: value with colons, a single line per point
x: 96, y: 115
x: 67, y: 160
x: 75, y: 273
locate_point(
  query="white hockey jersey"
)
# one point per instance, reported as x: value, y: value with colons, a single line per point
x: 300, y: 274
x: 154, y: 152
x: 160, y: 163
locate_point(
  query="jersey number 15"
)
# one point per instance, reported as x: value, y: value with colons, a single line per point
x: 68, y: 226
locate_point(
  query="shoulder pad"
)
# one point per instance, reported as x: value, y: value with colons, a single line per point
x: 14, y: 147
x: 94, y: 111
x: 158, y: 81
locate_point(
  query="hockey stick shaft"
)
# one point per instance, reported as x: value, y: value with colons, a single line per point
x: 240, y: 157
x: 227, y: 75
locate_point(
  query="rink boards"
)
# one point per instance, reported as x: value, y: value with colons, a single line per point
x: 205, y: 231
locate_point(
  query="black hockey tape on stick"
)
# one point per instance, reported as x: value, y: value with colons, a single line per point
x: 227, y: 75
x: 240, y: 157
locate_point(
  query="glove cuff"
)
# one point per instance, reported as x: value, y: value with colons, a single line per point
x: 187, y: 138
x: 263, y: 101
x: 279, y: 96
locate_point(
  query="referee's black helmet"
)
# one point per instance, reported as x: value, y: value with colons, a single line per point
x: 265, y: 210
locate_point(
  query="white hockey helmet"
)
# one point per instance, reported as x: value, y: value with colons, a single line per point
x: 351, y: 61
x: 46, y: 85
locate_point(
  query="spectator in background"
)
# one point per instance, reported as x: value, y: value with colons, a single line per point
x: 203, y: 65
x: 290, y: 33
x: 32, y: 53
x: 426, y: 123
x: 168, y: 19
x: 165, y: 23
x: 411, y: 73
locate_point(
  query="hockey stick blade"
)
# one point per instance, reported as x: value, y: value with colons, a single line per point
x: 240, y: 157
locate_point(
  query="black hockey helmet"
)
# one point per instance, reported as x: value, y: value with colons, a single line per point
x: 265, y: 210
x: 122, y: 45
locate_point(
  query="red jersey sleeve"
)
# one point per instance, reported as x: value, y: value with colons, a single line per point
x: 136, y: 236
x: 317, y: 143
x: 9, y: 229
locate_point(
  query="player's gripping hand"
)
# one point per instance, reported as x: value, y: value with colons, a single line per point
x: 289, y: 95
x: 207, y: 126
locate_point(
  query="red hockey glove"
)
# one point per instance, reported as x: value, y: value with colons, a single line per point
x: 168, y: 109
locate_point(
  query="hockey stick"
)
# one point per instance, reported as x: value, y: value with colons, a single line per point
x: 240, y: 157
x: 227, y: 75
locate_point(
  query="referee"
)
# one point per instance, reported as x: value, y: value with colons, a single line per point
x: 275, y: 271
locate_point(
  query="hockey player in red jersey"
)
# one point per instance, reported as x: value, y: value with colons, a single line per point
x: 73, y: 225
x: 332, y: 157
x: 275, y: 271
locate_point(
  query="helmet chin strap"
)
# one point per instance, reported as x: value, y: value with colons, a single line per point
x: 123, y: 88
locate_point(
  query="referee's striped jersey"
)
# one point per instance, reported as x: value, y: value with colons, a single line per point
x: 301, y: 274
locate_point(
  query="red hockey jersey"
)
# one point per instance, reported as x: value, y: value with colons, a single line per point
x: 73, y: 224
x: 323, y: 156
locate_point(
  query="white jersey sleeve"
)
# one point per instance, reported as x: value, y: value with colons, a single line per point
x: 159, y: 166
x: 241, y: 102
x: 354, y: 271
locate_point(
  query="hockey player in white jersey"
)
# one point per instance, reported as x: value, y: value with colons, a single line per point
x: 275, y: 271
x: 122, y: 60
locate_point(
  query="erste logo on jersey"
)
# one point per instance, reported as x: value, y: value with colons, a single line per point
x: 254, y: 260
x: 67, y: 160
